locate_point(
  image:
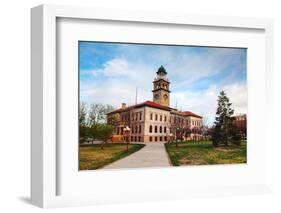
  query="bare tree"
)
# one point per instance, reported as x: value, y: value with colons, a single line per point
x: 97, y: 113
x: 83, y: 113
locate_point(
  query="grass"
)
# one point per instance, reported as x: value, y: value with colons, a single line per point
x: 203, y: 153
x: 93, y: 157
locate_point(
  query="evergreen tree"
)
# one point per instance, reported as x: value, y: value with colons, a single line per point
x: 224, y: 130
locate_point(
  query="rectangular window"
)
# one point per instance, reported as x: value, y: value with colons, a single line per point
x: 160, y: 138
x: 151, y: 116
x: 139, y: 128
x: 139, y: 139
x: 140, y: 116
x: 165, y: 129
x: 132, y: 138
x: 160, y: 129
x: 156, y: 117
x: 165, y: 138
x: 165, y: 118
x: 135, y: 138
x: 155, y: 139
x: 150, y: 139
x: 150, y: 128
x: 160, y: 117
x: 155, y: 129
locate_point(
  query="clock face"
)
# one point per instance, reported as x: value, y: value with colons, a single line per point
x: 156, y: 96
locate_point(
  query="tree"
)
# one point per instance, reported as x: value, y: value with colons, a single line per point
x: 97, y: 113
x: 83, y: 128
x: 235, y: 136
x: 84, y: 132
x: 82, y: 113
x: 205, y: 126
x: 223, y: 131
x: 104, y: 133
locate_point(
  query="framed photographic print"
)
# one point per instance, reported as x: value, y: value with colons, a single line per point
x: 129, y: 106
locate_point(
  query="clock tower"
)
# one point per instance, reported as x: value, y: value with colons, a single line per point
x: 161, y: 84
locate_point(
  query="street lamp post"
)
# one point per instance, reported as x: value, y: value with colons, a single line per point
x: 170, y: 137
x: 126, y: 132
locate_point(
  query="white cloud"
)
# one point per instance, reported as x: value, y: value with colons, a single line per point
x: 121, y: 76
x: 116, y: 67
x: 205, y: 102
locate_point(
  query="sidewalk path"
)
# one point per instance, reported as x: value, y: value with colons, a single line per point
x: 152, y: 155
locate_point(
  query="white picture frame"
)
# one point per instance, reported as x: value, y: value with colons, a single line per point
x: 44, y: 154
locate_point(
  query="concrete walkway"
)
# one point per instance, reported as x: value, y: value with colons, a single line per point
x: 152, y: 155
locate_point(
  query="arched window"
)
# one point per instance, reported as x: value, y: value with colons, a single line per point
x: 160, y: 129
x: 155, y: 129
x: 165, y: 129
x: 150, y: 128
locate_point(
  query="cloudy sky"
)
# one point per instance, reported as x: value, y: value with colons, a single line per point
x: 110, y: 73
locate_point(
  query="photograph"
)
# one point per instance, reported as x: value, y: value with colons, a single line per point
x: 161, y: 105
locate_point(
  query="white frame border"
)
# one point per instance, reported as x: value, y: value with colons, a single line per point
x: 43, y: 89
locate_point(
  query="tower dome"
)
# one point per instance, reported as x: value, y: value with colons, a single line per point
x: 161, y: 71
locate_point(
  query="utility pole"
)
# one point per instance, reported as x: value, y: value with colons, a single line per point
x: 136, y: 100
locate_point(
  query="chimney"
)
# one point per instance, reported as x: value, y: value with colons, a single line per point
x: 123, y: 105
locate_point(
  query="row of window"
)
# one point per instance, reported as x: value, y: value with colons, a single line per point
x: 163, y: 85
x: 156, y: 138
x: 134, y: 129
x: 125, y: 117
x: 161, y: 129
x: 136, y: 139
x: 178, y: 120
x: 161, y: 117
x: 196, y: 123
x: 136, y: 116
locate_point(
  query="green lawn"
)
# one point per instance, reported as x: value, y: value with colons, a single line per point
x: 203, y: 153
x: 93, y: 157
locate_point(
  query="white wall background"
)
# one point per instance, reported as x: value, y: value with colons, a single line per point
x: 15, y: 103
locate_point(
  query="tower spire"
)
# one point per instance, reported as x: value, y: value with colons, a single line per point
x: 161, y: 84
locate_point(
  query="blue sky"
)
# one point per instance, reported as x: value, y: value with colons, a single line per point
x: 110, y: 73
